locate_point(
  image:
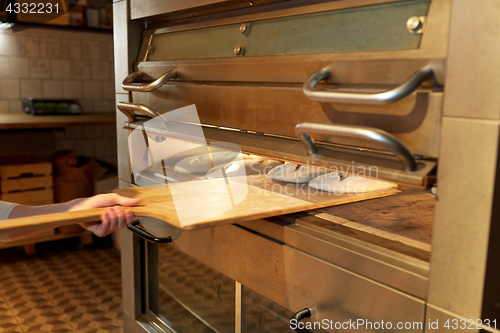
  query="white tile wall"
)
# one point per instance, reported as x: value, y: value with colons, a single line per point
x: 19, y: 67
x: 39, y: 68
x: 100, y: 106
x: 92, y: 51
x: 87, y: 105
x: 52, y: 89
x: 4, y: 107
x: 101, y: 70
x: 81, y: 69
x: 4, y: 67
x: 27, y: 46
x: 108, y: 87
x: 92, y: 89
x: 72, y: 89
x: 31, y: 88
x: 15, y: 107
x: 50, y: 63
x: 70, y: 49
x: 8, y: 45
x: 9, y: 88
x: 58, y: 64
x: 61, y: 69
x: 50, y: 48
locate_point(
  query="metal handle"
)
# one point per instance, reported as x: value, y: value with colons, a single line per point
x: 387, y: 97
x: 298, y: 316
x: 382, y: 138
x: 129, y: 85
x: 146, y: 235
x: 129, y: 108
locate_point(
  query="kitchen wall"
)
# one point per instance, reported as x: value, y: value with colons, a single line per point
x: 59, y: 63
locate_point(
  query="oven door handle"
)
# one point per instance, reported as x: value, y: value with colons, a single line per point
x: 386, y: 97
x: 380, y: 137
x: 129, y: 85
x: 146, y: 235
x: 129, y: 110
x: 298, y: 316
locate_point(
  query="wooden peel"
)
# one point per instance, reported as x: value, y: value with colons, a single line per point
x: 265, y: 198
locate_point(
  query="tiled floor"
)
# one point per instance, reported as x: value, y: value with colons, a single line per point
x: 61, y: 289
x: 66, y: 289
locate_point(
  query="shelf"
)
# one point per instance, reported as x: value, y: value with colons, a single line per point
x: 29, y: 243
x: 84, y: 234
x: 26, y: 25
x: 26, y: 121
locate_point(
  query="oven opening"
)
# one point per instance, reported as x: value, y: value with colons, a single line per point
x: 391, y: 232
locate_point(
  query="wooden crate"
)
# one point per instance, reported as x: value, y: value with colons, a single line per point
x: 28, y: 244
x: 27, y: 184
x: 25, y: 170
x: 36, y: 197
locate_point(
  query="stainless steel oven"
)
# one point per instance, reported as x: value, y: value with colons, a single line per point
x: 314, y: 82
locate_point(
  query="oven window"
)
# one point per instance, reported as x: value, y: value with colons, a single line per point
x: 186, y: 296
x: 261, y: 315
x: 192, y: 297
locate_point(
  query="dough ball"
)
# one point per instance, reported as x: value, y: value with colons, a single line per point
x: 331, y: 182
x: 251, y: 166
x: 203, y: 163
x: 294, y: 173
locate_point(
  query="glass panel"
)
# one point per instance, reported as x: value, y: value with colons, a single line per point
x: 192, y: 297
x: 261, y: 315
x: 381, y: 27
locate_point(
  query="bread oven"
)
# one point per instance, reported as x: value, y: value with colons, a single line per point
x: 391, y: 86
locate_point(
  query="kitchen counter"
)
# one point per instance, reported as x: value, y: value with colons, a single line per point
x: 26, y: 121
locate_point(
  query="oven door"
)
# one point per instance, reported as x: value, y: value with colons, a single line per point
x: 167, y: 289
x: 183, y: 293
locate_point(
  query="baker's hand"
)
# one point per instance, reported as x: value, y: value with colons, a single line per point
x: 113, y: 219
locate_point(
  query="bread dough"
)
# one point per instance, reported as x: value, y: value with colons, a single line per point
x: 203, y: 163
x: 331, y: 182
x: 294, y: 173
x: 251, y: 166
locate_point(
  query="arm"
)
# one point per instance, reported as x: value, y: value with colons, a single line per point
x: 113, y: 219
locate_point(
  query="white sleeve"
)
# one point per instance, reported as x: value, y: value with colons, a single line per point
x: 5, y: 209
